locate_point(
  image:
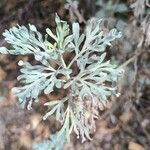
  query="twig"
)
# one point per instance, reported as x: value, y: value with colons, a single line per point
x: 130, y: 59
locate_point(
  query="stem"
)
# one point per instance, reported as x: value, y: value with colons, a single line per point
x: 80, y: 53
x: 47, y: 74
x: 130, y: 60
x: 50, y: 69
x: 63, y: 62
x: 64, y: 65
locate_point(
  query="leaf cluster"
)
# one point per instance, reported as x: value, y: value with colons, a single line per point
x: 87, y: 90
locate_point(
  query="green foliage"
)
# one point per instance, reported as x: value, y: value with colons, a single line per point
x: 56, y: 142
x: 87, y: 90
x: 108, y: 7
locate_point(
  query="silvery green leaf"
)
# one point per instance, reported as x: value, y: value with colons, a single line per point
x: 58, y: 84
x: 67, y: 84
x: 52, y: 111
x: 51, y: 103
x: 75, y: 30
x: 48, y: 87
x: 4, y: 50
x: 113, y: 34
x: 121, y: 8
x: 49, y: 32
x: 85, y: 91
x: 57, y: 106
x: 32, y: 28
x: 64, y: 71
x: 67, y: 41
x: 81, y: 39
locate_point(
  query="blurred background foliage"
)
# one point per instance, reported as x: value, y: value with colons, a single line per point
x: 126, y: 123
